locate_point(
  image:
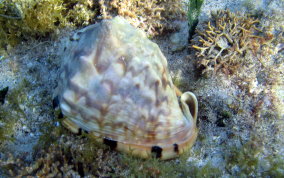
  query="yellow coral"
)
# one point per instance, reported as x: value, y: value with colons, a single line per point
x: 152, y: 16
x: 80, y: 12
x: 42, y: 16
x: 226, y: 40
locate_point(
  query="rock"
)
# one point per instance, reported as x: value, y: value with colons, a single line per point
x: 179, y: 40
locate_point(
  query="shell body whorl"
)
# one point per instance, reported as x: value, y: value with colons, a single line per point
x: 115, y: 84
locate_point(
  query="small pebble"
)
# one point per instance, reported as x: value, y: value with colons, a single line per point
x: 24, y: 127
x: 56, y: 124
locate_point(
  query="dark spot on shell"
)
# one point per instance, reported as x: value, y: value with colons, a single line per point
x: 78, y: 53
x: 80, y: 131
x: 161, y: 100
x: 151, y: 135
x: 104, y: 110
x: 57, y: 23
x: 122, y: 62
x: 55, y: 102
x: 164, y: 79
x: 60, y: 115
x: 111, y: 143
x: 156, y: 151
x: 137, y: 86
x: 176, y: 148
x: 80, y: 168
x: 220, y: 122
x: 102, y: 66
x: 136, y: 71
x: 3, y: 93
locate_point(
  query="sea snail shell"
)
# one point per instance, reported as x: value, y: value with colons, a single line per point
x: 115, y: 84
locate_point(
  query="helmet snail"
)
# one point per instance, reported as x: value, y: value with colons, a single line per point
x: 115, y: 85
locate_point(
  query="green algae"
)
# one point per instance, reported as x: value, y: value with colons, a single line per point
x: 97, y: 157
x: 276, y: 167
x: 137, y: 167
x: 194, y: 9
x: 6, y: 128
x: 180, y: 84
x: 226, y: 114
x: 247, y: 159
x: 11, y: 111
x: 24, y: 20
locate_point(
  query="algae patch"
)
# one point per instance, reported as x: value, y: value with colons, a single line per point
x: 11, y: 111
x: 67, y: 155
x: 194, y: 9
x: 25, y: 20
x: 6, y: 126
x: 246, y: 160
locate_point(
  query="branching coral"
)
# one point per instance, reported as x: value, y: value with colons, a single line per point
x: 152, y: 16
x: 233, y: 45
x: 226, y: 40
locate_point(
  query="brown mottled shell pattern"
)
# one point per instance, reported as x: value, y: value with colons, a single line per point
x: 115, y: 84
